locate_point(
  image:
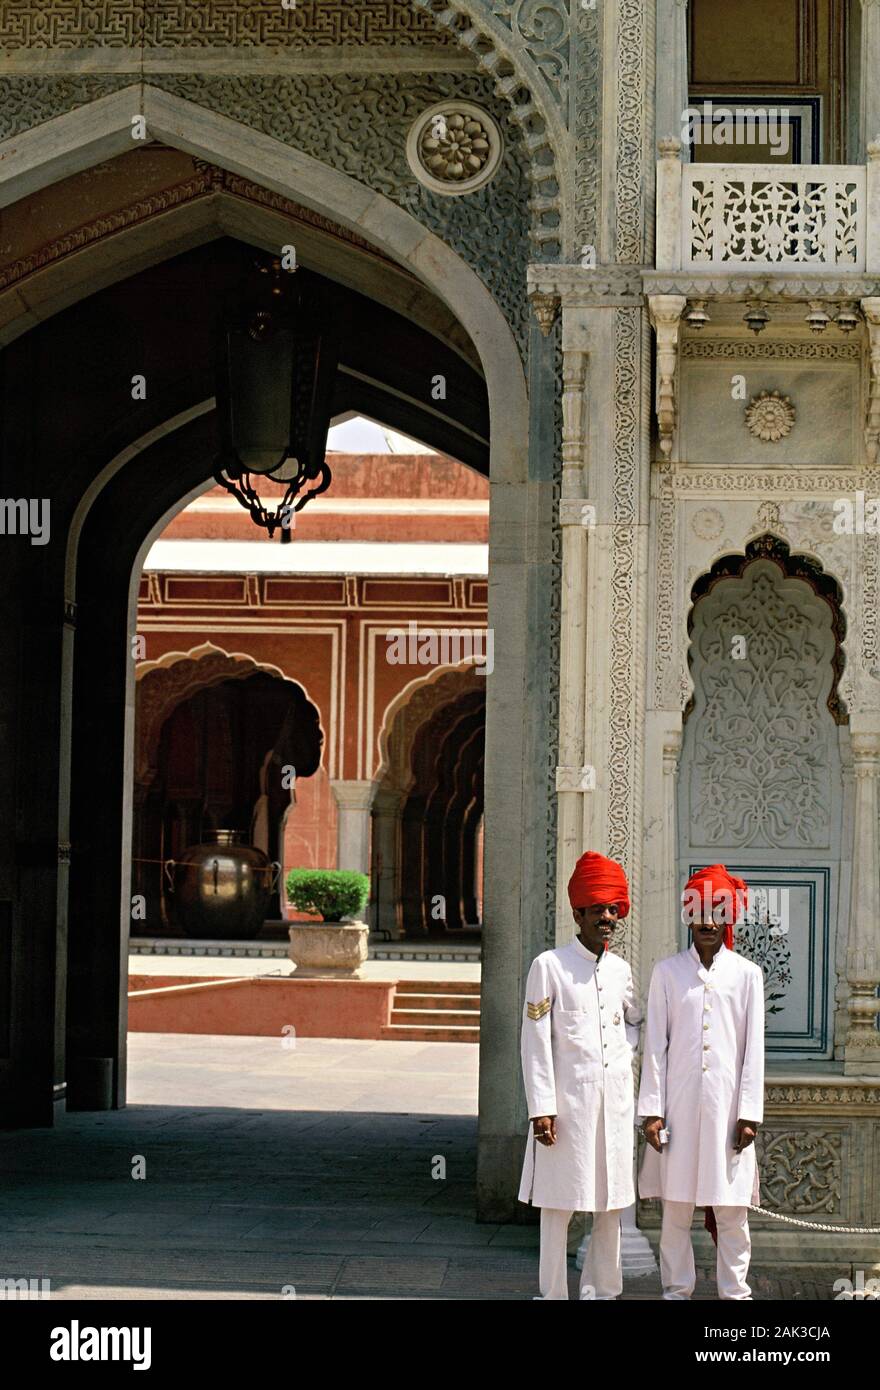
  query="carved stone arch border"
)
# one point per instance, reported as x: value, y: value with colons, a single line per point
x: 212, y: 202
x: 92, y: 134
x: 793, y: 566
x: 173, y: 677
x: 526, y: 50
x: 409, y: 710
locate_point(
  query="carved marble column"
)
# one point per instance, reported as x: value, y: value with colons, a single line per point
x: 862, y: 1049
x: 667, y: 251
x: 672, y: 68
x: 671, y: 889
x: 354, y: 800
x: 576, y: 517
x: 869, y: 89
x: 386, y: 861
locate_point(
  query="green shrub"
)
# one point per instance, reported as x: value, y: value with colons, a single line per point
x: 334, y: 893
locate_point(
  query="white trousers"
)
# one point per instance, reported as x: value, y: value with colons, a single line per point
x: 601, y: 1276
x: 677, y: 1254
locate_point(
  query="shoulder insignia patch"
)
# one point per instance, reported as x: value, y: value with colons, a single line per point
x: 537, y: 1011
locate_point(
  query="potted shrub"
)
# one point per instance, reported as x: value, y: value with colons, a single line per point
x: 337, y: 946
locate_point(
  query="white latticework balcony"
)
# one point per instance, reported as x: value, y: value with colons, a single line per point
x: 764, y: 217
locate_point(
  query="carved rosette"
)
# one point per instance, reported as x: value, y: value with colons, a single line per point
x: 770, y: 416
x: 454, y: 147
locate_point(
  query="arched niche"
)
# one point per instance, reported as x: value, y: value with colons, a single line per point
x: 760, y: 784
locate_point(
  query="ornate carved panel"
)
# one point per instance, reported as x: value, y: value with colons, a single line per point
x: 586, y: 129
x: 633, y: 201
x: 758, y: 750
x: 801, y: 1170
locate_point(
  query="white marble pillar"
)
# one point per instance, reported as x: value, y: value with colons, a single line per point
x: 862, y: 1047
x: 869, y: 87
x: 387, y: 804
x: 671, y: 68
x: 577, y: 517
x: 354, y: 800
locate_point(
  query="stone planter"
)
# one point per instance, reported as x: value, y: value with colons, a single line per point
x: 328, y: 950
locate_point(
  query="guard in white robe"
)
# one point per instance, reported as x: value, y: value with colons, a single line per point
x: 580, y: 1026
x: 703, y: 1075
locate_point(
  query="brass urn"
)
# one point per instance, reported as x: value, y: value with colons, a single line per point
x: 221, y: 888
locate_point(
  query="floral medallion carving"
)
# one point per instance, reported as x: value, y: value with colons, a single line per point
x: 454, y: 148
x: 770, y: 416
x: 707, y: 523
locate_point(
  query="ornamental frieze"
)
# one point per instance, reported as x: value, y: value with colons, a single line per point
x: 68, y: 24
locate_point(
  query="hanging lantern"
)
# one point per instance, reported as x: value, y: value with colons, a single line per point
x: 696, y: 314
x: 276, y: 369
x: 817, y: 318
x: 756, y: 317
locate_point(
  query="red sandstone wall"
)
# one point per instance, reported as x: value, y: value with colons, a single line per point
x: 326, y: 633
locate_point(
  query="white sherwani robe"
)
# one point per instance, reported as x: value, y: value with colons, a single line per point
x: 702, y: 1070
x: 580, y: 1026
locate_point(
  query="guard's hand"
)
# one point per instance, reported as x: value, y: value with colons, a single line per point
x: 545, y: 1129
x: 745, y: 1134
x: 651, y: 1130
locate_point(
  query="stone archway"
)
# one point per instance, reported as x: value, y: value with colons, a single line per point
x: 165, y: 688
x: 174, y: 677
x: 426, y: 817
x: 89, y: 612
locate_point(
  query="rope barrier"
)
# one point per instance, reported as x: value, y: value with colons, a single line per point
x: 254, y: 868
x: 817, y: 1225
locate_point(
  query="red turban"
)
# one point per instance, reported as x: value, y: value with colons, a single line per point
x: 598, y: 880
x: 715, y: 887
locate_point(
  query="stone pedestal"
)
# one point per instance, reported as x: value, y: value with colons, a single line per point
x: 636, y: 1256
x: 328, y: 950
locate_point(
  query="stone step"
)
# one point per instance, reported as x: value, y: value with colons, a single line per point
x: 401, y: 1032
x: 438, y: 986
x: 429, y: 1000
x: 442, y: 1018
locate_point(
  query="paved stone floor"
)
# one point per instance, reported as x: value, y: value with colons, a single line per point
x: 270, y: 1170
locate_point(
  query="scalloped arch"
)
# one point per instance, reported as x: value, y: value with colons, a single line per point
x: 173, y: 677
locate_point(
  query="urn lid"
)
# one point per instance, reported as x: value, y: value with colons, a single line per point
x: 224, y: 837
